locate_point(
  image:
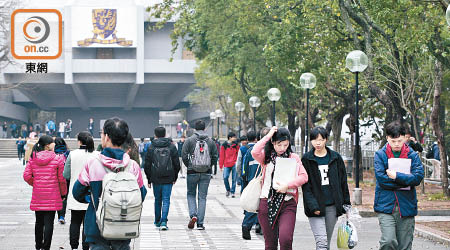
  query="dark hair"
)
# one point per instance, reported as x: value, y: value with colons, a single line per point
x: 243, y: 138
x: 117, y: 130
x: 40, y: 145
x: 251, y: 136
x: 85, y: 138
x: 142, y: 139
x: 395, y: 129
x: 133, y: 148
x: 231, y: 134
x: 315, y: 132
x: 200, y: 125
x: 160, y: 132
x: 60, y: 142
x: 282, y: 134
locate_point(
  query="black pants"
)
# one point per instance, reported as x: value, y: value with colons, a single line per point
x: 214, y: 169
x: 20, y: 153
x: 43, y: 230
x: 62, y: 212
x: 77, y: 219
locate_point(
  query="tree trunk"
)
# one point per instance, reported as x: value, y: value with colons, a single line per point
x: 291, y: 125
x: 438, y: 130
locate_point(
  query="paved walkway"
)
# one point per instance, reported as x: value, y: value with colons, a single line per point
x: 223, y: 221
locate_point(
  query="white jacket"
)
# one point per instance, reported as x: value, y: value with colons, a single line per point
x: 74, y: 164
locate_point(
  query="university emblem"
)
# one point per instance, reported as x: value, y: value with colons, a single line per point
x: 104, y: 22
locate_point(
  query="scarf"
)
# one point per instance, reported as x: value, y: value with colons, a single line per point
x: 275, y: 199
x: 403, y: 152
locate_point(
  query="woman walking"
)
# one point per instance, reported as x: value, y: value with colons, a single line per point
x: 326, y: 192
x: 61, y: 149
x: 44, y: 172
x: 74, y: 164
x: 278, y: 206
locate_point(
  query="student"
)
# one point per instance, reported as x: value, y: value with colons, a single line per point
x: 248, y: 172
x: 61, y: 149
x: 75, y: 162
x: 395, y: 206
x: 326, y: 192
x: 412, y: 142
x: 198, y: 176
x: 20, y: 148
x: 277, y: 207
x: 161, y: 167
x: 90, y: 180
x: 180, y: 148
x: 228, y: 157
x: 44, y: 172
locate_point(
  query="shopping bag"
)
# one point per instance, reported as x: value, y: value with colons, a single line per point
x: 347, y: 237
x: 249, y: 200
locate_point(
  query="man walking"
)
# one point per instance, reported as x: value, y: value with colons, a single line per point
x: 5, y: 130
x: 180, y: 148
x: 395, y: 193
x: 228, y: 157
x: 198, y: 154
x: 88, y: 187
x: 161, y: 167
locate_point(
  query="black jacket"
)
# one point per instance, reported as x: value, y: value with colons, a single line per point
x: 160, y: 143
x: 313, y: 199
x: 189, y: 147
x: 415, y: 146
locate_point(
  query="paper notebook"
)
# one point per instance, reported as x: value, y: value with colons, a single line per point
x: 400, y: 165
x: 285, y: 171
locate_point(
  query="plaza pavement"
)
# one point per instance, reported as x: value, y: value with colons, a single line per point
x: 222, y: 222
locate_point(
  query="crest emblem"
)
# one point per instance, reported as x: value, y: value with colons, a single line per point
x: 104, y: 22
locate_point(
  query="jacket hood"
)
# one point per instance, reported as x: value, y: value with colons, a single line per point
x: 44, y: 157
x: 411, y: 151
x: 310, y: 154
x: 114, y: 164
x: 162, y: 142
x: 201, y: 135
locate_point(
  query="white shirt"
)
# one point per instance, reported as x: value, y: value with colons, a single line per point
x: 267, y: 181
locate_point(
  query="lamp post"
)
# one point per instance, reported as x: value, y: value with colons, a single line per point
x: 239, y: 106
x: 219, y: 114
x: 447, y: 15
x: 274, y: 95
x: 254, y: 102
x: 212, y: 116
x: 307, y: 81
x: 356, y: 62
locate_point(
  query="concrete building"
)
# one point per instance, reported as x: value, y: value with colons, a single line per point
x: 134, y: 81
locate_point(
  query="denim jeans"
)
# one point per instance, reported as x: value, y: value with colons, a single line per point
x: 162, y: 194
x: 226, y: 176
x: 202, y: 182
x: 250, y: 219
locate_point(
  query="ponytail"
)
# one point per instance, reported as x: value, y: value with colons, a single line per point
x: 40, y: 145
x: 85, y: 138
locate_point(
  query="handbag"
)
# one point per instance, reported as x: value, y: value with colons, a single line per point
x: 249, y: 199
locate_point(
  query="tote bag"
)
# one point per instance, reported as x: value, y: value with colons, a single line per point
x: 249, y: 200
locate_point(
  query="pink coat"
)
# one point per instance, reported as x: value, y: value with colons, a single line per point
x: 44, y: 172
x: 301, y: 178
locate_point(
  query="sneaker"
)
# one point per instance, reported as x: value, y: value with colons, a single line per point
x: 61, y: 220
x: 163, y: 226
x: 192, y: 222
x: 246, y: 233
x: 157, y: 224
x: 233, y: 196
x: 258, y: 229
x: 200, y: 227
x: 228, y: 194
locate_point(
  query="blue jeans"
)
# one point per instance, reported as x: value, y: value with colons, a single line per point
x: 162, y: 194
x: 226, y: 175
x: 250, y: 219
x: 202, y: 181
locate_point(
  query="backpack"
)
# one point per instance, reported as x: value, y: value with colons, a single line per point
x: 200, y: 158
x: 162, y: 162
x: 120, y: 205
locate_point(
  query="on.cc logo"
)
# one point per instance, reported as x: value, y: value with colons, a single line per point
x: 36, y: 29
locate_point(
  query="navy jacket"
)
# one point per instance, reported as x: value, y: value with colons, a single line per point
x: 386, y: 190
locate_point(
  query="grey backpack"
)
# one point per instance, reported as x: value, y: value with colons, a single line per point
x: 200, y: 158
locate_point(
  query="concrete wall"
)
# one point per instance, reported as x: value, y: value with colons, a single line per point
x: 141, y: 122
x: 158, y: 44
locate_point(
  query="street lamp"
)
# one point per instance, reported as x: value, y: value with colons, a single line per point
x: 274, y: 95
x: 447, y: 15
x: 356, y: 62
x: 219, y: 114
x: 307, y: 81
x: 254, y: 102
x: 212, y: 116
x: 239, y: 106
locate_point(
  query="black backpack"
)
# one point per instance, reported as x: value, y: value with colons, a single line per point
x: 162, y: 162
